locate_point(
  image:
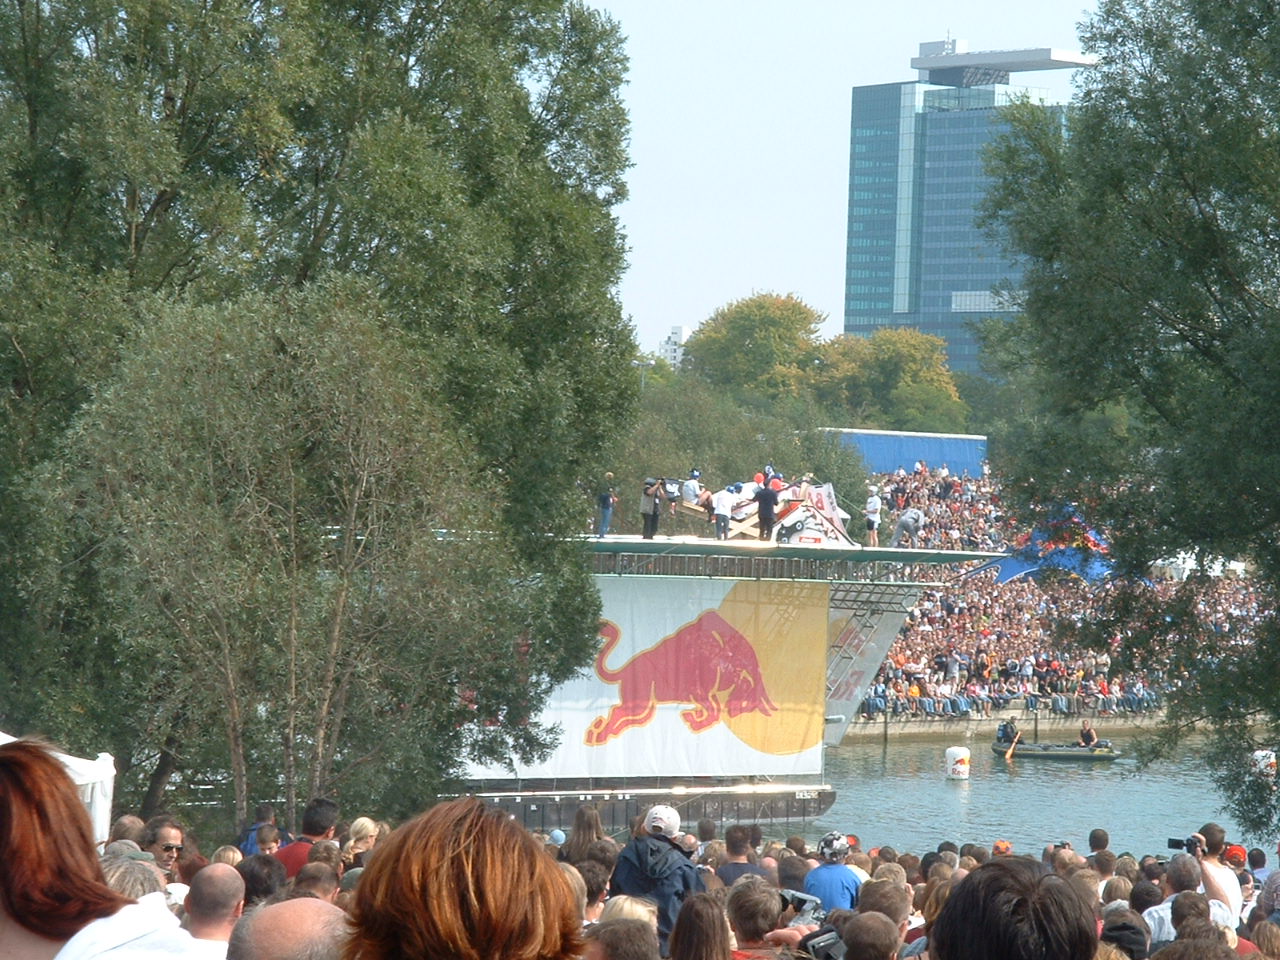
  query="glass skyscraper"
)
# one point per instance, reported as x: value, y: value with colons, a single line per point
x: 915, y: 257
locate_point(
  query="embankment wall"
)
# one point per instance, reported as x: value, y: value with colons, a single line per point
x: 1041, y: 725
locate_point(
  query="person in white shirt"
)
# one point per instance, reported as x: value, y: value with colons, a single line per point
x: 1220, y: 881
x: 213, y: 905
x: 872, y: 513
x: 54, y: 901
x: 693, y: 492
x: 1182, y: 874
x: 722, y: 507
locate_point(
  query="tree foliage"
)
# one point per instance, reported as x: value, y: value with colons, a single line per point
x: 729, y: 434
x: 460, y: 163
x: 767, y: 345
x: 894, y: 380
x: 1149, y: 224
x: 756, y: 343
x: 266, y: 502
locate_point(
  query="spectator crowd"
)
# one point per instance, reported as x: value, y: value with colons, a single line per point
x: 464, y: 880
x: 979, y: 645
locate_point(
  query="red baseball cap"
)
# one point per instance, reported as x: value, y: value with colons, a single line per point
x: 1002, y: 848
x: 1236, y: 855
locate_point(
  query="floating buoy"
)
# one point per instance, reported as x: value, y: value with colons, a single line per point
x: 957, y: 763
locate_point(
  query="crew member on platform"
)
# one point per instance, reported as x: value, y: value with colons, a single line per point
x: 872, y: 513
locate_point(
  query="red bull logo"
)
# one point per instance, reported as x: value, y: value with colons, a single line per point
x: 707, y: 664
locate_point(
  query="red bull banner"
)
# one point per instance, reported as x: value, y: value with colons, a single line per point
x: 697, y: 678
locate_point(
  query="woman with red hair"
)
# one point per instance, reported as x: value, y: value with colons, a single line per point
x: 464, y: 882
x: 54, y: 902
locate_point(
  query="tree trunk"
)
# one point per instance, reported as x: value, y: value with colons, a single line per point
x: 235, y: 734
x: 324, y: 739
x: 152, y: 801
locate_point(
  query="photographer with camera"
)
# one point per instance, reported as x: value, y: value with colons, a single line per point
x: 651, y: 498
x: 1184, y: 874
x: 1220, y: 881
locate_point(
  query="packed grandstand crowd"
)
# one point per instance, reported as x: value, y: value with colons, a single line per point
x: 464, y: 881
x: 980, y: 644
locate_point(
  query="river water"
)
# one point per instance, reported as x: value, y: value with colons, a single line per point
x: 898, y: 794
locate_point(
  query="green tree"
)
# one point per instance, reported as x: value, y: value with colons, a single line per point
x: 729, y: 434
x: 1149, y: 338
x: 764, y: 342
x: 270, y: 510
x: 926, y: 407
x: 462, y: 162
x: 893, y: 380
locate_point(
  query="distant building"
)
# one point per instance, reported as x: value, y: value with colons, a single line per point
x: 672, y: 348
x: 915, y: 257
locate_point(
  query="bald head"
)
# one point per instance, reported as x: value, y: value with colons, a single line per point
x: 290, y: 930
x: 214, y: 902
x: 217, y: 892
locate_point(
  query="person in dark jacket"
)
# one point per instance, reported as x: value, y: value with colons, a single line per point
x: 654, y: 866
x: 767, y: 514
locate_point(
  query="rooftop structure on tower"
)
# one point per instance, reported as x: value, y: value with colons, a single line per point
x: 915, y: 258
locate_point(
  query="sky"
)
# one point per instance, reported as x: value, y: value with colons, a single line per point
x: 740, y: 136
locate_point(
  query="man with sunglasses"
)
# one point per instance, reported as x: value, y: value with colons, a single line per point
x: 163, y: 840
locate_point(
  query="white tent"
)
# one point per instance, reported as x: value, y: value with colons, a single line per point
x: 1185, y: 563
x: 96, y: 781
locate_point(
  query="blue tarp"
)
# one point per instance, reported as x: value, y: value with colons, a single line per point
x: 884, y: 451
x: 1067, y: 544
x: 1085, y: 564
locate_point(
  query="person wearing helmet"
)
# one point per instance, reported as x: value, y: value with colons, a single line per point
x: 743, y: 492
x: 692, y: 491
x: 832, y: 881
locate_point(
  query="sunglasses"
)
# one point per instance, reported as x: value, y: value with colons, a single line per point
x: 171, y: 847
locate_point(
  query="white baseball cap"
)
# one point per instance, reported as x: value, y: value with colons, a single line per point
x: 662, y: 819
